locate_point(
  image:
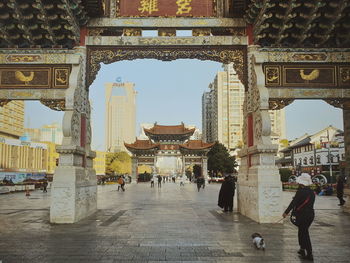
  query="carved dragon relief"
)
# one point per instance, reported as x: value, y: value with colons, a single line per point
x: 57, y: 105
x: 339, y: 103
x: 235, y: 54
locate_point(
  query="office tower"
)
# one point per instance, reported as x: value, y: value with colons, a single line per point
x: 120, y: 120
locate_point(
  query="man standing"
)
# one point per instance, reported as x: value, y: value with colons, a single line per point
x: 159, y: 181
x: 340, y: 190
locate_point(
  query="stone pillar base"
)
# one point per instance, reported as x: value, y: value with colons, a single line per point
x: 73, y: 194
x: 259, y: 189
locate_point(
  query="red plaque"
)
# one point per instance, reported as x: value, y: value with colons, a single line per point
x: 166, y: 8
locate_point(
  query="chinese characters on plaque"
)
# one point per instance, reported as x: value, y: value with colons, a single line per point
x: 166, y: 8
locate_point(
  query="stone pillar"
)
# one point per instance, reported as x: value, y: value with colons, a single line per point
x: 74, y: 187
x: 134, y: 165
x: 205, y: 168
x: 346, y: 119
x: 183, y: 165
x: 259, y: 187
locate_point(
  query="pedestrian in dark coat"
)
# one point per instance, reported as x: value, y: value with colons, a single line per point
x: 226, y: 194
x: 303, y: 204
x: 340, y: 190
x: 200, y: 182
x: 159, y: 181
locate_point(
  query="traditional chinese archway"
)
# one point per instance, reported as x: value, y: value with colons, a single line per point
x: 281, y: 50
x: 166, y: 141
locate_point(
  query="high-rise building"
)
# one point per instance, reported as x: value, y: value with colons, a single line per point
x: 222, y: 111
x: 51, y: 133
x: 120, y: 115
x: 34, y: 134
x: 12, y: 119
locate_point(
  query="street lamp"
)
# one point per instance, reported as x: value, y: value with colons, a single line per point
x: 329, y: 154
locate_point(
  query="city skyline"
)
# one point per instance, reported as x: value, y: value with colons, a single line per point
x: 170, y: 93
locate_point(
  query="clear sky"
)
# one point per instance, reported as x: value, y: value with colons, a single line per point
x: 171, y: 92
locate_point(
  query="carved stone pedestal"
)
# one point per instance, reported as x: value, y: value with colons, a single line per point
x: 259, y: 187
x: 74, y: 188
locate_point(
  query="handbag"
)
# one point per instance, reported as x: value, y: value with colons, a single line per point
x: 293, y: 214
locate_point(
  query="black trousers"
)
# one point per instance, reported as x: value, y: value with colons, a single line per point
x: 229, y: 204
x: 305, y: 220
x: 341, y: 199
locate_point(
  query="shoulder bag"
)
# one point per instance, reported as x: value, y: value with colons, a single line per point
x: 293, y: 214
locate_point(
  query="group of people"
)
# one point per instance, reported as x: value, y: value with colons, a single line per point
x: 157, y: 178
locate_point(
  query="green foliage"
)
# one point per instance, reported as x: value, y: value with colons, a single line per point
x: 220, y: 161
x: 118, y: 163
x: 144, y: 177
x: 285, y: 173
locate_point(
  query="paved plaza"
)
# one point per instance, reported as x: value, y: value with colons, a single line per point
x: 172, y: 224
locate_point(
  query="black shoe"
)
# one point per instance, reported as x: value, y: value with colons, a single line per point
x: 302, y: 252
x: 308, y: 257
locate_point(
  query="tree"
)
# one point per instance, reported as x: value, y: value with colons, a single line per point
x: 220, y: 161
x: 119, y: 163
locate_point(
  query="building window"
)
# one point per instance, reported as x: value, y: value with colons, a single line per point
x: 305, y: 160
x: 318, y: 159
x: 311, y: 160
x: 300, y: 161
x: 295, y: 162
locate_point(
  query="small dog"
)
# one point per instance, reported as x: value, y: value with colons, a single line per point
x: 258, y: 241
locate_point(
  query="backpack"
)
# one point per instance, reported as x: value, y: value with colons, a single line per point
x: 120, y: 180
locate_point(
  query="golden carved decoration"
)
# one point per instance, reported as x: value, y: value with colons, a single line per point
x: 238, y: 31
x: 4, y: 102
x: 312, y: 76
x: 199, y: 32
x: 95, y: 31
x: 132, y: 32
x: 227, y: 54
x: 23, y: 58
x: 166, y: 32
x: 339, y: 103
x: 344, y: 74
x: 278, y: 104
x: 309, y: 57
x: 61, y: 77
x: 272, y: 74
x: 22, y: 77
x: 57, y: 105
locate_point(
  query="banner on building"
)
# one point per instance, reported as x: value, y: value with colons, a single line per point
x: 17, y: 177
x: 166, y: 8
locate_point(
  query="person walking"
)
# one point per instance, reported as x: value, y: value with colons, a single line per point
x: 121, y: 183
x: 45, y: 186
x: 227, y: 193
x: 340, y: 190
x: 152, y: 181
x: 200, y: 181
x: 182, y: 180
x: 303, y: 205
x: 159, y: 181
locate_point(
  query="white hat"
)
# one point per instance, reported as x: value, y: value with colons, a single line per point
x: 304, y: 179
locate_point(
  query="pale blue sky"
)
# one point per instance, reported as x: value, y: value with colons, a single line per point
x: 171, y: 92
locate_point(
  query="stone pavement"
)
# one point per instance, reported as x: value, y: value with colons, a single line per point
x: 171, y: 224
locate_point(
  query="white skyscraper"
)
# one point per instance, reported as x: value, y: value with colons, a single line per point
x: 222, y: 111
x: 120, y: 115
